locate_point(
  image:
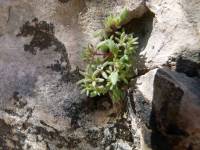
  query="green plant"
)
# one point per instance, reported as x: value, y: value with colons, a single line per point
x: 112, y: 23
x: 110, y: 64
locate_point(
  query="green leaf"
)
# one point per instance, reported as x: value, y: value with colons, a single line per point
x: 124, y: 15
x: 99, y: 33
x: 100, y: 80
x: 104, y: 74
x: 113, y: 47
x: 94, y: 83
x: 123, y: 78
x: 80, y: 81
x: 93, y: 94
x: 108, y: 71
x: 87, y: 92
x: 82, y: 73
x: 103, y: 46
x: 110, y: 68
x: 116, y: 94
x: 126, y: 57
x: 83, y: 91
x: 114, y: 77
x: 107, y: 45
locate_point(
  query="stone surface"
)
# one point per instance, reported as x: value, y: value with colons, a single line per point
x: 167, y: 108
x: 175, y: 29
x: 176, y: 109
x: 40, y: 104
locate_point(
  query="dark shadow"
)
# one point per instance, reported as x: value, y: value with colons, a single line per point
x: 165, y: 108
x: 188, y: 66
x: 140, y: 65
x: 161, y: 130
x: 63, y: 1
x: 73, y: 76
x: 142, y: 28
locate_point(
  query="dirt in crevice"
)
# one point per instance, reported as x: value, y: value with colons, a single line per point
x: 73, y: 76
x: 63, y: 1
x: 118, y: 126
x: 106, y: 136
x: 78, y: 112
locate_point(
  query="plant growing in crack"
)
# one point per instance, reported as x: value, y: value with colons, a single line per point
x: 112, y: 23
x: 110, y: 64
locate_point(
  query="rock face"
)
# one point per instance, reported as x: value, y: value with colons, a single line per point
x: 41, y: 106
x: 175, y: 29
x: 167, y: 104
x: 176, y: 109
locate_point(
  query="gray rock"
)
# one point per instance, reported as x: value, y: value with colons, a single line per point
x: 176, y: 108
x: 119, y: 145
x: 166, y: 105
x: 174, y: 23
x: 40, y: 104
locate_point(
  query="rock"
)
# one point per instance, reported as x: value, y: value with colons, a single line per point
x: 119, y: 145
x: 41, y: 106
x: 142, y: 108
x: 175, y: 109
x: 174, y: 22
x: 167, y: 104
x: 189, y: 64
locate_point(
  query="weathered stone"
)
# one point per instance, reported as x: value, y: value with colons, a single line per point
x: 167, y: 104
x: 41, y: 106
x: 176, y: 108
x: 120, y: 145
x: 175, y: 29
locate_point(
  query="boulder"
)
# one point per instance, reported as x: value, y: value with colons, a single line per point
x: 175, y: 29
x: 167, y: 104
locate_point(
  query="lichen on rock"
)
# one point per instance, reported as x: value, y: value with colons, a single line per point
x: 41, y: 107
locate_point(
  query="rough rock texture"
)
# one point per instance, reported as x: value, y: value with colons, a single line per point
x: 167, y: 108
x: 176, y: 109
x: 40, y: 104
x: 164, y: 100
x: 175, y: 29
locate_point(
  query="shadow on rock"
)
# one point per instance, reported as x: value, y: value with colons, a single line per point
x: 174, y: 108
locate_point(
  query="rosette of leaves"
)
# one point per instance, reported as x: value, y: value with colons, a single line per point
x: 112, y: 23
x: 110, y: 66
